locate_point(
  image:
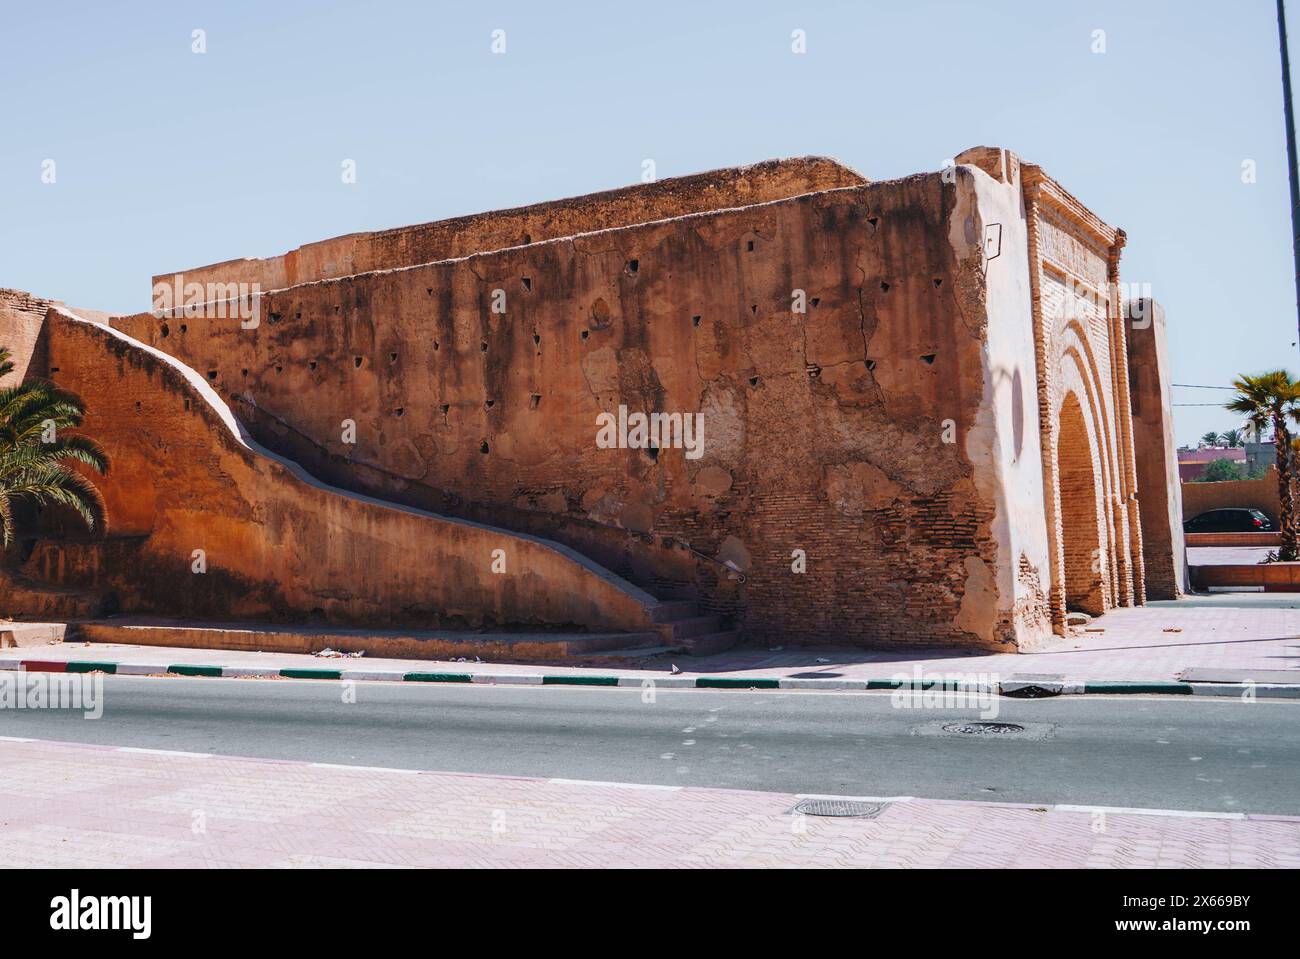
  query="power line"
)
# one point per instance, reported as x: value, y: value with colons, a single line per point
x: 1197, y: 386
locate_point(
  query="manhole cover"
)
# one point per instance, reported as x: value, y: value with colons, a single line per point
x: 983, y: 729
x: 842, y: 808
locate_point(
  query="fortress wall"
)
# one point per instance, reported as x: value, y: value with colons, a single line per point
x: 847, y: 432
x: 22, y: 320
x: 276, y: 544
x: 463, y: 236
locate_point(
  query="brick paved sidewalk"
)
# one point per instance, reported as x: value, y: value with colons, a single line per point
x: 1153, y: 643
x: 68, y: 805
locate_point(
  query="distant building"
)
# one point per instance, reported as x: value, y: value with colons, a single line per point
x: 1260, y: 456
x: 1192, y: 464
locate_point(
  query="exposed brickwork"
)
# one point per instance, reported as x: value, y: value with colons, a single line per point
x: 1082, y: 360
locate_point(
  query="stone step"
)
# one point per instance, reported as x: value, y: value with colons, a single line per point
x: 711, y: 643
x: 23, y: 598
x: 400, y: 644
x: 26, y: 635
x: 672, y: 610
x: 695, y: 626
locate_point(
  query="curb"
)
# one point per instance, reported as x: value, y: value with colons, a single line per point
x: 1012, y: 687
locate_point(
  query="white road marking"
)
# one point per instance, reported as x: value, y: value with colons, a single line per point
x: 162, y: 752
x: 371, y: 769
x: 1134, y: 811
x: 612, y: 785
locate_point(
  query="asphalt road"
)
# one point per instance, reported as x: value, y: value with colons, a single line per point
x: 1159, y: 752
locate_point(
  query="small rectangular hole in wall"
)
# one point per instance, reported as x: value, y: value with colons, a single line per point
x: 534, y: 401
x: 483, y: 346
x: 695, y: 321
x: 399, y: 411
x: 815, y: 300
x: 633, y: 265
x: 871, y: 365
x: 445, y: 407
x: 884, y: 287
x: 392, y: 357
x: 488, y: 404
x: 356, y: 361
x: 928, y: 357
x: 528, y: 283
x: 749, y: 247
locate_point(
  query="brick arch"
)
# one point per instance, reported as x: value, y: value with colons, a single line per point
x: 1083, y: 536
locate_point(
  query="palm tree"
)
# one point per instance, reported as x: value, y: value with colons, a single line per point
x: 1210, y: 439
x: 1274, y: 398
x: 36, y: 456
x: 1232, y: 438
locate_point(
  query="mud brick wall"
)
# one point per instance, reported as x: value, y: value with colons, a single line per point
x: 466, y: 235
x: 277, y: 545
x: 823, y: 430
x: 1159, y: 492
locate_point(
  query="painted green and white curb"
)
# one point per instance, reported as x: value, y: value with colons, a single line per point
x: 1014, y: 686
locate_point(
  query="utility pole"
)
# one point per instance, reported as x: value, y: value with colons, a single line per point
x: 1290, y: 154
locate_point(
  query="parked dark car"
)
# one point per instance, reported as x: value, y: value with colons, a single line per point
x: 1229, y: 521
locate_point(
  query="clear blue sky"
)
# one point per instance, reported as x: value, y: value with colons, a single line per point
x: 168, y: 159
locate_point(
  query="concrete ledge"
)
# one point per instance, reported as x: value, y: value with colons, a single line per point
x: 26, y: 635
x: 398, y: 644
x: 1271, y: 577
x: 1233, y: 539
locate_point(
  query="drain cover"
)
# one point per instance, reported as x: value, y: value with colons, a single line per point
x: 983, y: 729
x: 840, y: 808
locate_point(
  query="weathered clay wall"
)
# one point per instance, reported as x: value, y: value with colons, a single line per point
x: 463, y: 236
x: 1164, y: 558
x: 824, y: 432
x: 1260, y: 494
x: 277, y: 544
x: 22, y: 319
